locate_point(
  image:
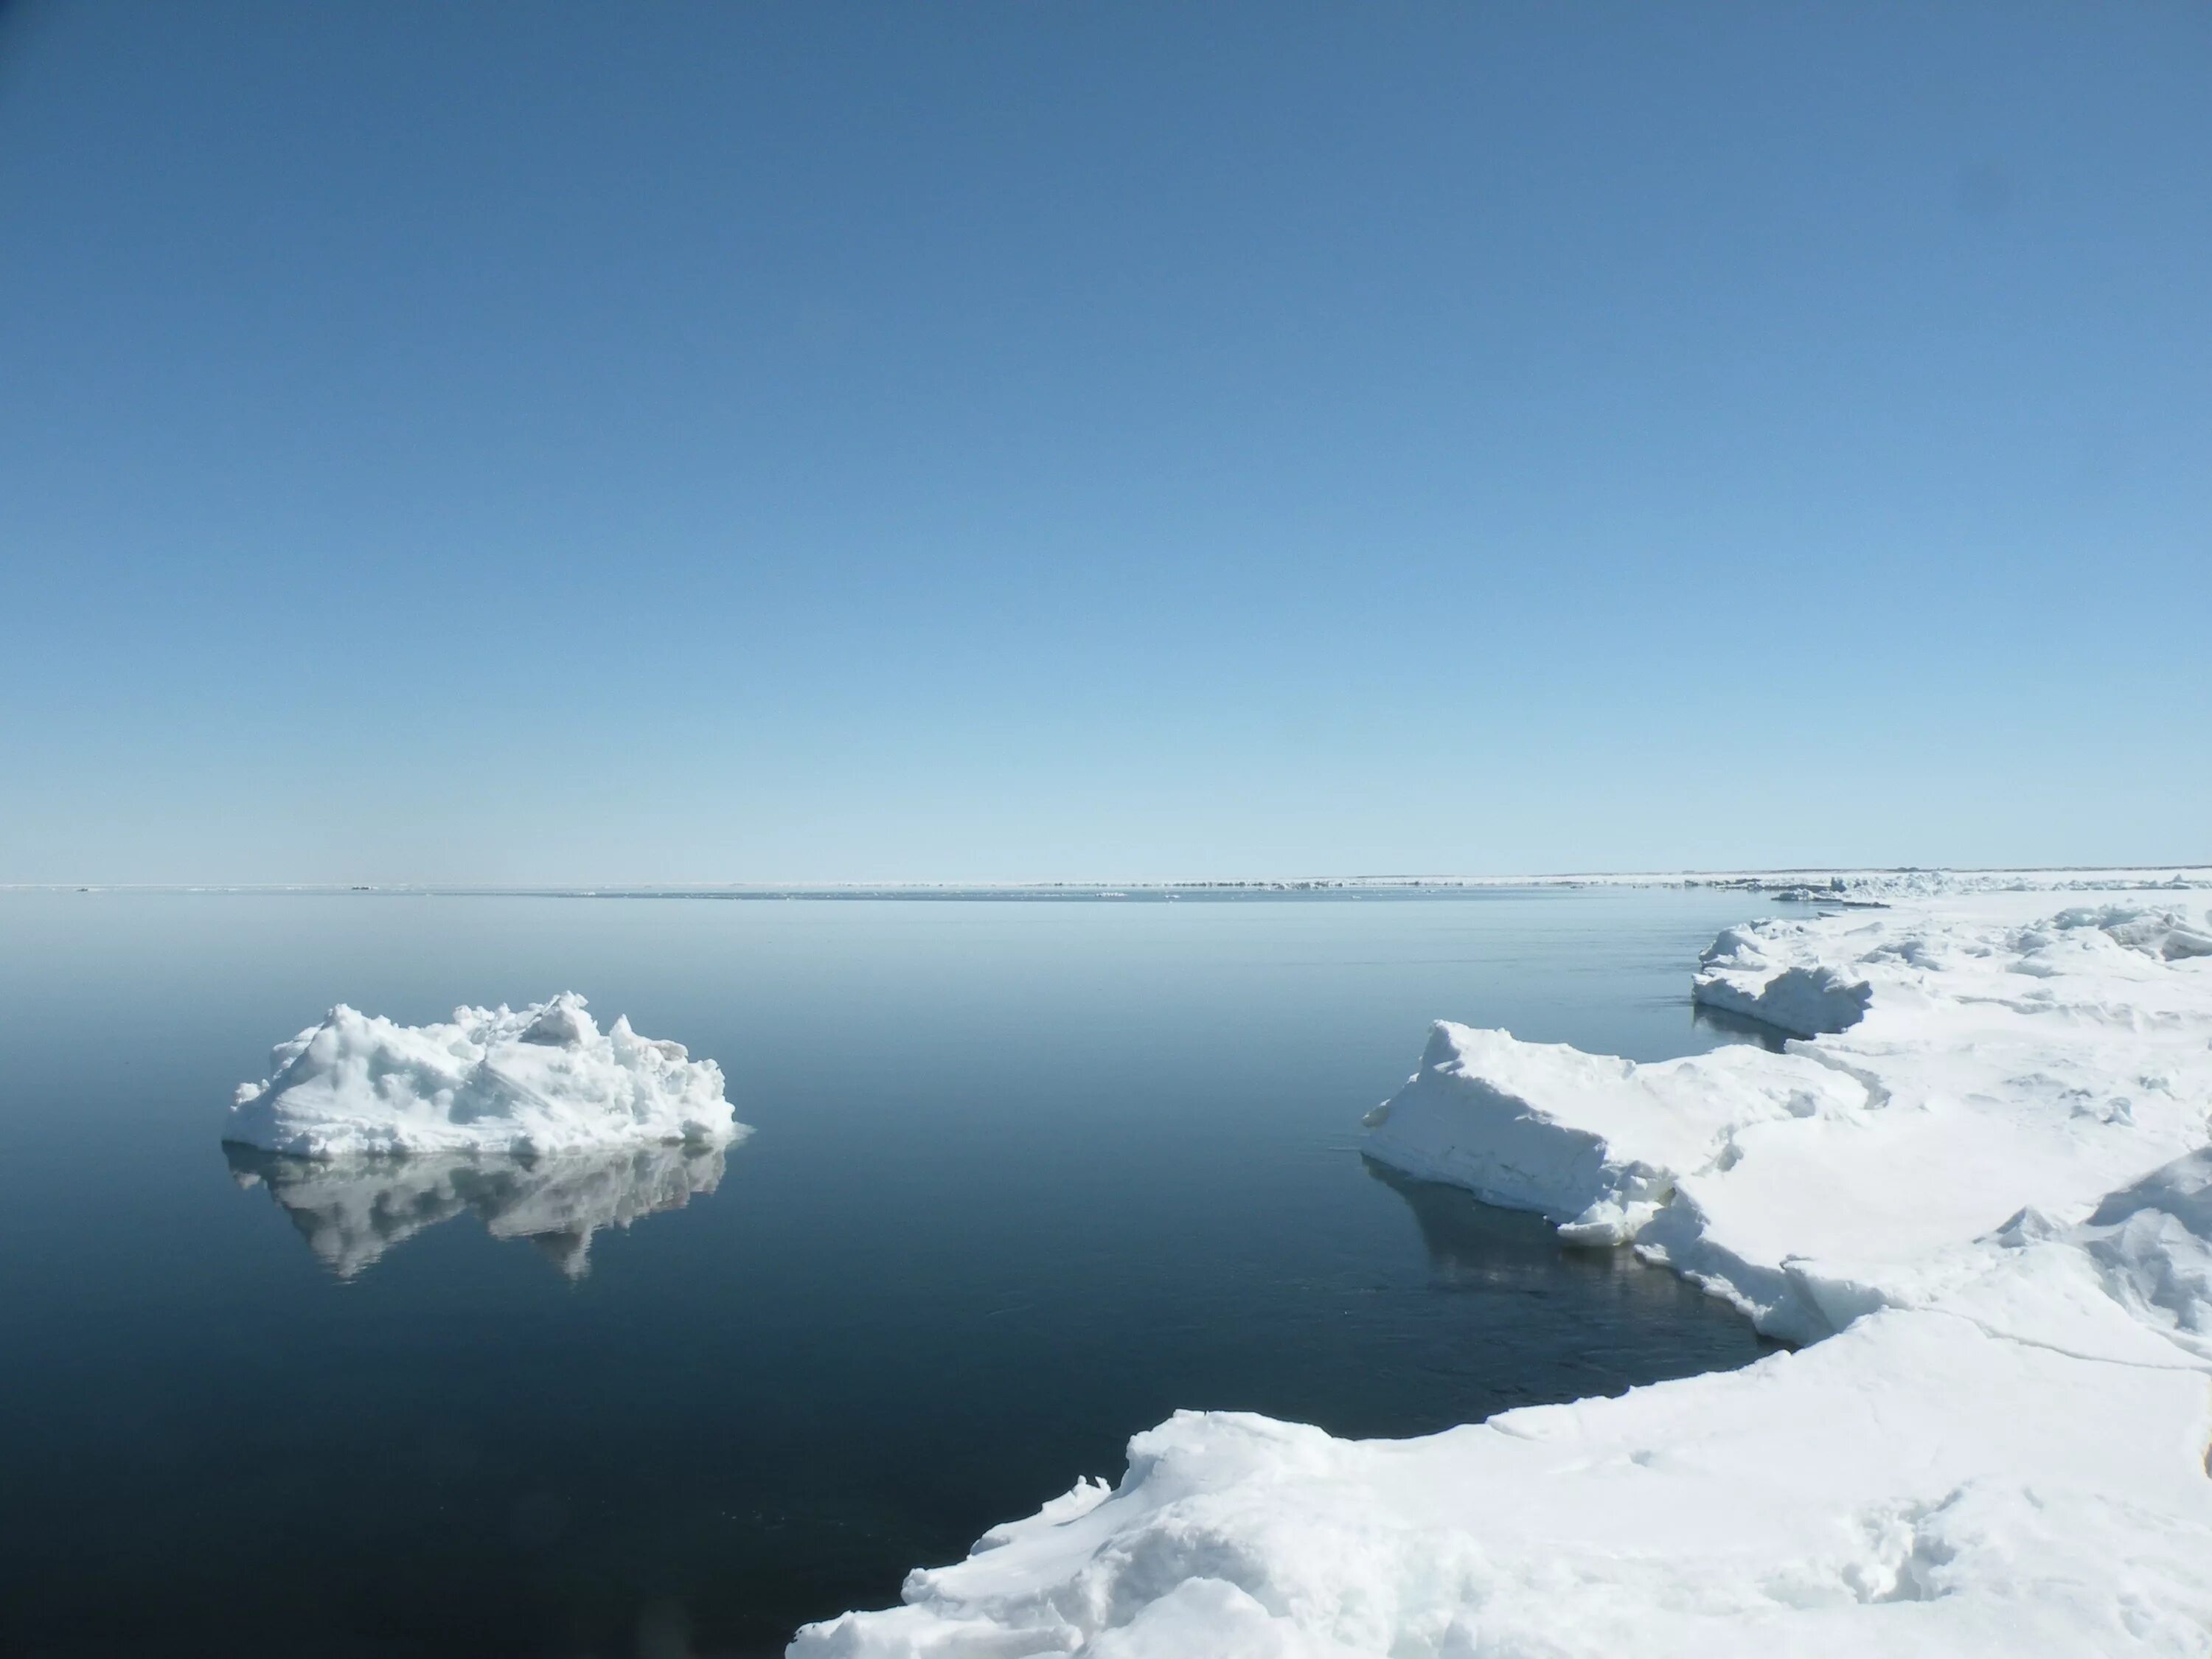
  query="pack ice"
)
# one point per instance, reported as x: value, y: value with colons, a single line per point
x: 1980, y: 1198
x: 529, y: 1082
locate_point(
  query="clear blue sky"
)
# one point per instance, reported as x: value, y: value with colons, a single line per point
x: 678, y: 442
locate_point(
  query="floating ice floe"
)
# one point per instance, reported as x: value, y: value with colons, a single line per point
x: 1985, y: 1207
x: 352, y: 1210
x: 531, y: 1082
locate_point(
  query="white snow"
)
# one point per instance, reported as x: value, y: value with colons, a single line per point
x: 1985, y: 1206
x: 352, y: 1210
x: 1739, y: 974
x: 530, y: 1082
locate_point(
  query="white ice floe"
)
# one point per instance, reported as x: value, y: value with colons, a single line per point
x: 352, y: 1210
x: 1985, y: 1205
x: 530, y: 1082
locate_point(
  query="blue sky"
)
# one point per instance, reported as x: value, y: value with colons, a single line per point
x: 528, y: 443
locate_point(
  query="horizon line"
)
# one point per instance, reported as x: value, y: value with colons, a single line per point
x: 1102, y: 883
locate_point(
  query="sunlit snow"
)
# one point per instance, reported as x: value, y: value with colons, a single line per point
x: 530, y: 1082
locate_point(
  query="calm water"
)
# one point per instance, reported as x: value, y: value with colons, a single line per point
x: 1026, y: 1177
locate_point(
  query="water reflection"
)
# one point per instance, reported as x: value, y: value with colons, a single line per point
x: 351, y: 1211
x: 1740, y: 1028
x: 1475, y: 1245
x: 1651, y: 1318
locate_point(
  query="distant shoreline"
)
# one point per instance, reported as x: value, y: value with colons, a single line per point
x: 1832, y: 883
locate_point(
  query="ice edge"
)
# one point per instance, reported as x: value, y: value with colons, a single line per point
x: 1979, y: 1186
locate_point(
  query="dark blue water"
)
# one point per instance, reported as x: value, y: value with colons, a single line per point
x: 1026, y: 1178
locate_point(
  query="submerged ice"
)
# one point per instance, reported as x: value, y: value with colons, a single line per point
x: 1979, y: 1192
x: 531, y: 1082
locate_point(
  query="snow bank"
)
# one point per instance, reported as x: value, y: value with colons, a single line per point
x: 352, y: 1210
x: 1742, y: 972
x: 1985, y: 1205
x: 531, y: 1082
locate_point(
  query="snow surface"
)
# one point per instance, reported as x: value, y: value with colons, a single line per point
x: 531, y: 1082
x: 352, y: 1210
x: 1985, y: 1206
x: 1739, y: 974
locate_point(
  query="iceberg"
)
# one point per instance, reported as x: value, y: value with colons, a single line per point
x: 352, y: 1210
x: 1982, y: 1207
x: 529, y: 1083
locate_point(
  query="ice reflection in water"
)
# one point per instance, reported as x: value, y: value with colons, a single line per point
x: 351, y: 1211
x: 1740, y: 1028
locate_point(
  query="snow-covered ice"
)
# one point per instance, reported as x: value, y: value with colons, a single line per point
x: 1738, y: 975
x: 1981, y: 1198
x: 352, y: 1210
x: 530, y: 1082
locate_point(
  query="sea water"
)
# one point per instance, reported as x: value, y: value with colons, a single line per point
x: 1026, y: 1177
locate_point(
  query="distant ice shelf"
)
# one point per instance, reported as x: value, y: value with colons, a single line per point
x: 1980, y: 1198
x: 533, y: 1082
